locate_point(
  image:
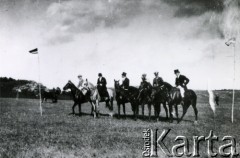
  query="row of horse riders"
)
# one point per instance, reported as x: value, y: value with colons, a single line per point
x: 144, y: 95
x: 180, y: 82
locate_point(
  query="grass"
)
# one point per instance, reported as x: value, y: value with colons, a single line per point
x: 24, y: 133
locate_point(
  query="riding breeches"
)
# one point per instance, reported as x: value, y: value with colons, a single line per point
x: 84, y: 90
x: 181, y: 90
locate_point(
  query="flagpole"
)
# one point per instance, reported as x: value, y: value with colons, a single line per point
x: 39, y: 86
x: 234, y: 67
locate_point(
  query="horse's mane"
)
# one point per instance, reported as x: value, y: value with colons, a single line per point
x: 168, y: 84
x: 91, y: 86
x: 73, y: 85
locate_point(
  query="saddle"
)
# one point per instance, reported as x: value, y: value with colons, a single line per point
x: 86, y: 93
x: 104, y: 95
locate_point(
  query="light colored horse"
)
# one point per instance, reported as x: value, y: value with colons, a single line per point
x: 96, y: 99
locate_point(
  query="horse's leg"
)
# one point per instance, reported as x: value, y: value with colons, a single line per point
x: 73, y: 108
x: 111, y: 103
x: 149, y: 111
x: 142, y: 110
x: 176, y: 110
x: 155, y: 111
x: 159, y: 110
x: 194, y: 105
x: 170, y: 112
x: 134, y: 109
x: 80, y: 109
x: 118, y: 104
x: 94, y: 109
x: 137, y: 109
x: 185, y: 108
x: 124, y: 110
x: 165, y: 108
x: 107, y: 104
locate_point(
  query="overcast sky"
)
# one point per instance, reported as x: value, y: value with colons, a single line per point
x: 111, y: 36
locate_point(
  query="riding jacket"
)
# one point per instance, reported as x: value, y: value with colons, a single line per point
x: 125, y: 84
x: 102, y: 82
x: 182, y: 81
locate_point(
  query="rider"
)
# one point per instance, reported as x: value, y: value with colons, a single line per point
x: 82, y: 85
x: 125, y: 81
x: 157, y: 81
x: 145, y: 84
x: 181, y: 82
x: 102, y: 86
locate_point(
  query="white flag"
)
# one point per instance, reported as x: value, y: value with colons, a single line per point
x: 212, y: 100
x: 231, y: 41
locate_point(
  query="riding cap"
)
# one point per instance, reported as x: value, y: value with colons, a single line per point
x: 156, y: 73
x: 124, y: 74
x: 144, y: 75
x: 176, y: 71
x: 100, y: 74
x: 79, y: 75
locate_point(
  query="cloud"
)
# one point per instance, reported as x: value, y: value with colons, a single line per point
x: 70, y: 18
x: 231, y: 19
x: 74, y: 17
x: 223, y: 19
x: 188, y: 8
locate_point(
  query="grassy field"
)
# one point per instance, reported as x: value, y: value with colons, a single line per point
x: 24, y: 133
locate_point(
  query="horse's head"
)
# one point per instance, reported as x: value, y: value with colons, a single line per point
x: 58, y: 91
x: 154, y: 92
x: 68, y: 85
x: 116, y: 84
x: 145, y: 90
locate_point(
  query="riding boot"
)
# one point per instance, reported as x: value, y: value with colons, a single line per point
x: 107, y: 96
x: 182, y: 102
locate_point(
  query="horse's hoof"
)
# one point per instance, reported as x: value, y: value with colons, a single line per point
x: 111, y: 114
x: 195, y: 122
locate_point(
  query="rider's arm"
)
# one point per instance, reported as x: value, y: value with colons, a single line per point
x: 176, y: 82
x: 104, y: 82
x: 186, y: 80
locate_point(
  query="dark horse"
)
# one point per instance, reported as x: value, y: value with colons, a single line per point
x: 175, y: 99
x: 144, y: 97
x: 123, y: 97
x: 78, y: 97
x: 159, y: 96
x: 51, y: 94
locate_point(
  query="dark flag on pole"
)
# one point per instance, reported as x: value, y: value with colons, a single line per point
x: 34, y: 51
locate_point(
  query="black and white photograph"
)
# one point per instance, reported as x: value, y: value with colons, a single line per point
x: 119, y: 78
